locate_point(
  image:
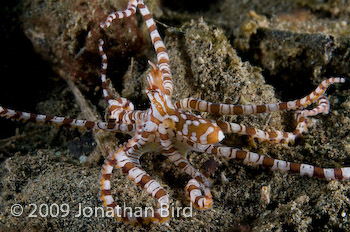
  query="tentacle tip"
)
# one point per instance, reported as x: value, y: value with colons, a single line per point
x: 204, y: 207
x: 104, y: 25
x: 152, y: 64
x: 207, y: 206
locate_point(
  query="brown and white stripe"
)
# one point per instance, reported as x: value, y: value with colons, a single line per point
x: 120, y: 14
x: 281, y: 165
x: 104, y: 65
x: 121, y: 109
x: 162, y: 54
x: 199, y: 182
x: 125, y: 116
x: 268, y: 136
x: 194, y: 193
x: 182, y: 163
x: 278, y: 136
x: 228, y: 109
x: 196, y: 185
x: 323, y: 107
x: 275, y: 136
x: 68, y: 122
x: 125, y: 159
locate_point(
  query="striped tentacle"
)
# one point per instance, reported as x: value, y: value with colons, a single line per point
x: 228, y: 109
x: 278, y: 136
x: 316, y: 94
x: 68, y: 122
x: 122, y: 110
x: 130, y: 166
x: 194, y: 190
x: 131, y: 9
x: 268, y: 136
x: 125, y: 116
x: 127, y: 159
x: 195, y: 186
x: 104, y: 65
x: 162, y: 54
x: 283, y: 166
x: 182, y: 163
x: 323, y: 107
x: 301, y: 116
